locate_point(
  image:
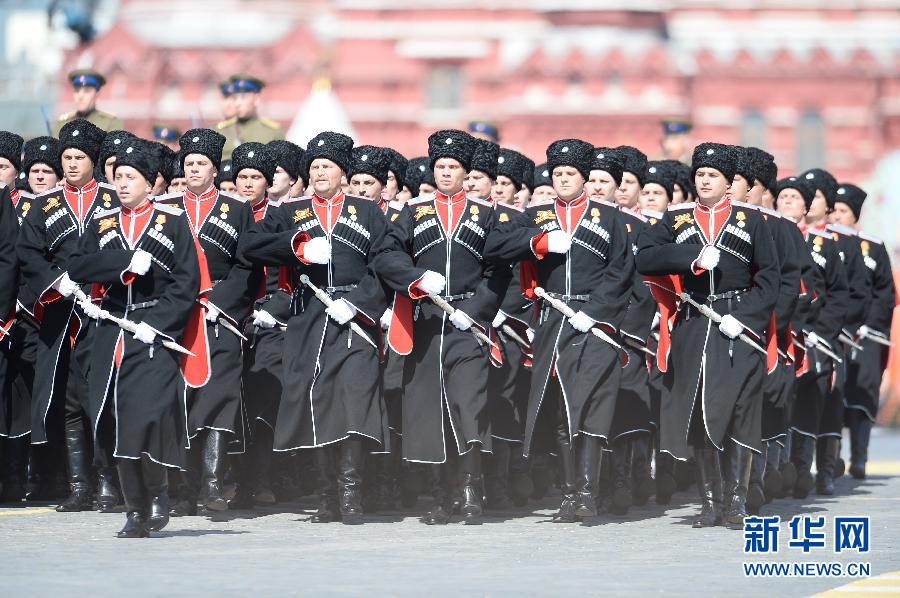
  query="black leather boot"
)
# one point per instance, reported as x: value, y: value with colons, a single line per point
x: 80, y: 498
x: 521, y: 485
x: 622, y: 496
x: 772, y: 482
x: 326, y: 468
x: 756, y: 495
x: 107, y: 493
x: 739, y: 463
x: 496, y: 484
x: 588, y: 471
x: 156, y: 482
x: 440, y: 510
x: 131, y: 478
x: 189, y: 483
x: 803, y: 449
x: 665, y: 478
x: 261, y: 459
x: 213, y: 463
x: 642, y: 485
x: 352, y: 458
x: 860, y: 432
x: 709, y: 483
x: 471, y: 486
x: 541, y: 476
x: 15, y: 466
x: 566, y: 513
x: 826, y: 454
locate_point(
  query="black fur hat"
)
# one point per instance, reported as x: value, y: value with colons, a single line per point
x: 329, y: 145
x: 633, y: 160
x: 718, y: 156
x: 82, y: 135
x: 661, y: 174
x: 807, y: 191
x: 399, y: 165
x: 140, y: 155
x: 571, y: 152
x: 289, y: 156
x: 451, y: 143
x: 851, y: 195
x: 417, y: 172
x: 257, y: 156
x: 542, y: 176
x: 11, y: 148
x: 205, y: 142
x: 371, y: 160
x: 485, y: 157
x: 514, y: 166
x: 609, y: 160
x: 823, y: 181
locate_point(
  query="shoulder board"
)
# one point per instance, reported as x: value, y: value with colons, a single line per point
x: 770, y: 212
x: 295, y: 199
x: 168, y: 197
x: 542, y: 202
x: 25, y: 195
x: 631, y: 212
x: 269, y: 123
x: 2, y: 185
x: 503, y: 206
x: 49, y: 192
x: 169, y: 209
x: 103, y: 213
x: 274, y: 203
x: 421, y: 199
x: 683, y: 206
x: 359, y: 197
x: 605, y: 202
x: 841, y: 229
x: 745, y: 205
x: 652, y: 214
x: 236, y: 198
x: 819, y: 231
x: 225, y: 123
x: 106, y: 186
x: 869, y: 237
x: 396, y: 205
x: 483, y: 202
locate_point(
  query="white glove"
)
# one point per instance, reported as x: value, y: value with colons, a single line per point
x: 730, y: 326
x: 461, y: 320
x: 386, y: 318
x: 144, y: 333
x: 65, y: 286
x: 558, y: 242
x: 529, y: 334
x: 263, y: 319
x: 212, y: 313
x: 708, y: 258
x: 140, y: 262
x: 864, y: 331
x: 655, y: 324
x: 581, y: 322
x: 341, y: 311
x: 499, y: 319
x: 92, y: 310
x: 317, y: 251
x: 812, y: 339
x: 432, y: 282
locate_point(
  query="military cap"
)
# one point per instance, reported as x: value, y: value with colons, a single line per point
x: 451, y: 143
x: 371, y: 160
x: 226, y: 88
x: 718, y: 156
x: 206, y: 142
x: 485, y: 128
x: 82, y: 135
x: 336, y: 147
x: 851, y: 195
x: 242, y: 82
x: 571, y: 152
x: 166, y: 132
x: 608, y: 160
x: 674, y: 126
x: 11, y: 148
x: 87, y: 78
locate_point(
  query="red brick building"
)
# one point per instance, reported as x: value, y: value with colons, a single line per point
x: 813, y: 82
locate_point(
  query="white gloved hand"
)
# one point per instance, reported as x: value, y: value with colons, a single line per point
x: 212, y: 313
x: 709, y: 257
x: 864, y: 331
x: 317, y: 251
x: 499, y: 319
x: 461, y: 320
x: 432, y: 282
x: 263, y: 319
x: 92, y: 310
x: 144, y: 334
x: 730, y: 326
x: 65, y: 286
x: 812, y: 339
x: 386, y: 318
x: 558, y: 242
x: 529, y: 334
x: 581, y: 322
x: 140, y: 262
x: 341, y: 311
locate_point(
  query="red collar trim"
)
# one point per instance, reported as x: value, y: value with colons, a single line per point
x: 722, y: 205
x: 144, y: 207
x: 210, y: 193
x: 90, y: 186
x: 261, y: 205
x: 444, y: 198
x: 574, y: 203
x: 328, y: 202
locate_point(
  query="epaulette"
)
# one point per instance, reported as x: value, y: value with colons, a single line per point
x: 682, y: 206
x: 542, y: 202
x: 168, y: 197
x: 819, y: 231
x: 169, y: 209
x: 631, y: 212
x: 395, y: 204
x: 52, y: 191
x: 745, y: 205
x: 770, y: 212
x: 869, y: 237
x: 274, y: 203
x: 226, y: 123
x: 103, y: 213
x: 841, y: 229
x: 106, y: 186
x: 25, y: 195
x: 234, y: 197
x: 269, y: 123
x: 421, y: 199
x: 359, y: 197
x: 605, y: 202
x: 652, y: 214
x: 295, y: 199
x: 478, y: 200
x: 499, y: 205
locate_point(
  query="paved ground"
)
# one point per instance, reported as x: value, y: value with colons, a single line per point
x: 652, y: 551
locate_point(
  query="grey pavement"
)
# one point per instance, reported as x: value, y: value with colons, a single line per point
x: 274, y: 552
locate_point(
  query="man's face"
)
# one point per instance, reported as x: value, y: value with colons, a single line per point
x: 228, y: 109
x: 755, y: 194
x: 768, y: 200
x: 131, y: 186
x: 85, y: 98
x: 389, y: 193
x: 41, y: 178
x: 108, y: 167
x: 677, y: 194
x: 178, y: 185
x: 245, y: 103
x: 842, y: 214
x: 159, y: 185
x: 568, y: 182
x: 426, y: 188
x: 365, y: 185
x: 675, y: 145
x: 711, y: 185
x: 522, y: 197
x: 326, y: 177
x: 228, y: 187
x: 629, y: 191
x: 790, y: 204
x: 77, y: 167
x: 600, y: 184
x: 504, y: 190
x: 819, y: 208
x: 199, y: 172
x: 478, y: 184
x: 298, y: 189
x: 8, y: 172
x: 739, y: 188
x: 543, y: 192
x: 281, y: 183
x: 654, y: 197
x: 251, y: 184
x: 449, y: 175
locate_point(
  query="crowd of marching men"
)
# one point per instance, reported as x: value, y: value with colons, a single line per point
x: 184, y: 334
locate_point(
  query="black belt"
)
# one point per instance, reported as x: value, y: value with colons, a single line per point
x: 568, y: 298
x: 719, y: 296
x: 457, y: 297
x: 134, y: 306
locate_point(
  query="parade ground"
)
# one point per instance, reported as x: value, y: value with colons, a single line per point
x: 275, y: 552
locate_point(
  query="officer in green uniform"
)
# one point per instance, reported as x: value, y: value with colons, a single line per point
x: 167, y: 135
x: 86, y: 84
x: 246, y: 125
x: 676, y: 143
